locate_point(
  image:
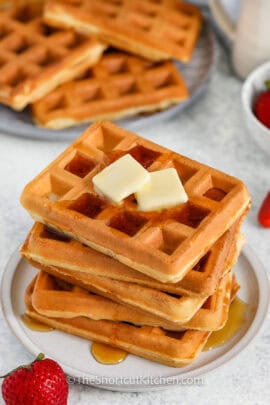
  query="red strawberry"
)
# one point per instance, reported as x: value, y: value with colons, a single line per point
x: 262, y: 106
x: 42, y: 382
x: 264, y: 213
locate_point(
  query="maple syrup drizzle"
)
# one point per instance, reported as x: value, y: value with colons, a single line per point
x: 235, y: 321
x: 80, y: 166
x: 215, y: 194
x: 144, y: 156
x: 105, y: 354
x: 35, y: 325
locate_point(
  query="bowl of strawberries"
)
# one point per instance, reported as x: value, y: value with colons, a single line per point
x: 256, y: 105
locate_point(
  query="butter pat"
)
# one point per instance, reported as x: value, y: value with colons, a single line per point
x: 164, y: 190
x: 120, y: 179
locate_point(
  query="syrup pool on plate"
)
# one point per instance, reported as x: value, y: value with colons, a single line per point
x: 235, y: 321
x: 35, y: 325
x: 106, y: 354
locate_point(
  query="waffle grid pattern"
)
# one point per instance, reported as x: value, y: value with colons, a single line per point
x: 31, y: 51
x: 119, y: 85
x: 63, y: 194
x: 155, y: 29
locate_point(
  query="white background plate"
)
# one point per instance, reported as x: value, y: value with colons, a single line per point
x: 73, y: 353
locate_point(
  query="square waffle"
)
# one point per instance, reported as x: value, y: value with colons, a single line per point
x: 118, y: 86
x: 112, y: 278
x: 156, y: 30
x: 174, y: 308
x: 154, y: 343
x: 54, y: 298
x: 164, y: 245
x: 34, y: 58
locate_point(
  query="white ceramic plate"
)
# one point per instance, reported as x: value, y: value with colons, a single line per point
x: 196, y: 73
x: 73, y: 353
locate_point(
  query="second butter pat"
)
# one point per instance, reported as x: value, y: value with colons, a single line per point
x: 120, y: 179
x: 164, y: 190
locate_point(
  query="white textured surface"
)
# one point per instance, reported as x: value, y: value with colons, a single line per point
x: 211, y: 131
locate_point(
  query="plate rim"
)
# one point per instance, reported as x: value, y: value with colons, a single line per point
x: 130, y: 123
x: 254, y: 328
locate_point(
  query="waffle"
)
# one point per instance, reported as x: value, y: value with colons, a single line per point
x: 156, y: 30
x: 71, y: 258
x: 34, y: 58
x: 5, y: 4
x: 168, y: 347
x: 163, y: 245
x: 120, y: 85
x: 174, y: 308
x: 54, y: 298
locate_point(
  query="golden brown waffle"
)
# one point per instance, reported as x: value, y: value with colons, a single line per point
x: 53, y: 298
x: 34, y: 58
x: 4, y: 4
x: 174, y: 308
x: 118, y: 86
x: 155, y: 30
x: 70, y: 257
x: 172, y: 348
x: 164, y: 245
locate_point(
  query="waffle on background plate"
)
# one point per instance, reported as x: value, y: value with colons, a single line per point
x: 35, y: 58
x: 45, y: 58
x: 118, y: 86
x: 93, y: 257
x: 157, y: 30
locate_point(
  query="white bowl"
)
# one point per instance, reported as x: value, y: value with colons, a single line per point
x: 255, y: 84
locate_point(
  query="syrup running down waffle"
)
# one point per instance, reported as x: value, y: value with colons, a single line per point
x: 34, y: 58
x: 118, y: 86
x: 164, y: 245
x: 156, y: 30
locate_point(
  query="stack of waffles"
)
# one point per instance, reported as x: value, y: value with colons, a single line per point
x: 155, y: 284
x: 52, y: 57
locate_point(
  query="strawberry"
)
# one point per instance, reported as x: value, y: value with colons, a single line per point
x: 42, y: 382
x: 262, y: 106
x: 264, y: 213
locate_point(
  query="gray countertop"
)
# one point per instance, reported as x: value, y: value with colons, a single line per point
x: 211, y: 131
